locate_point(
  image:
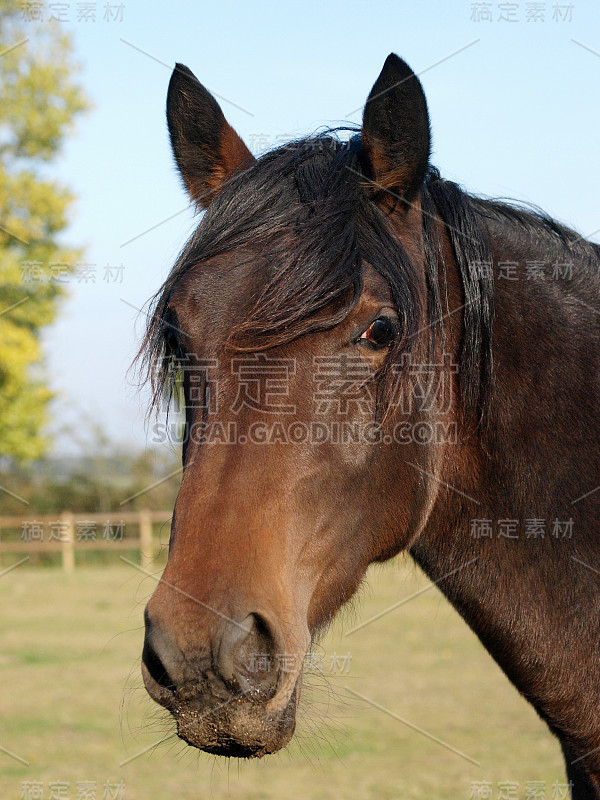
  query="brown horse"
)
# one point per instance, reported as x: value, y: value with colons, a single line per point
x: 371, y: 360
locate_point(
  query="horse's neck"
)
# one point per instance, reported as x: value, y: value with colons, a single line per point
x: 514, y: 541
x: 534, y: 608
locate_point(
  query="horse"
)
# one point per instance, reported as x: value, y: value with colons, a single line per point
x: 370, y: 360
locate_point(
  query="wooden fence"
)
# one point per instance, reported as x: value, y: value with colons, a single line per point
x: 70, y: 532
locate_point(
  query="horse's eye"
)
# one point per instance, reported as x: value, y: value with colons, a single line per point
x: 379, y: 334
x: 172, y: 344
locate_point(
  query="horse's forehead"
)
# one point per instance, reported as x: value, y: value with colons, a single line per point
x: 213, y: 298
x: 375, y: 285
x: 220, y: 285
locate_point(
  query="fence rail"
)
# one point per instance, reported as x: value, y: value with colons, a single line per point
x: 70, y: 532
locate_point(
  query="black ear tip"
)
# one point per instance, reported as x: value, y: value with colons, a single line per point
x: 183, y: 84
x: 395, y: 64
x: 181, y: 76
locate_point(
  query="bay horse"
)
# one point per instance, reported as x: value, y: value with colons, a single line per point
x: 371, y: 360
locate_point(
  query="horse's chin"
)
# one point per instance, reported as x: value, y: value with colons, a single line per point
x: 238, y: 727
x: 242, y: 729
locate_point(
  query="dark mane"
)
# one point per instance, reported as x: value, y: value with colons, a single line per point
x: 307, y: 209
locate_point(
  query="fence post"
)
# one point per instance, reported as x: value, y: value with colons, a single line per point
x: 145, y: 523
x: 67, y: 541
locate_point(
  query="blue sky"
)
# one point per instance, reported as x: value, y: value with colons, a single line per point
x: 513, y: 105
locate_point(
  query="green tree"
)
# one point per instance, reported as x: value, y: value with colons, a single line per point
x: 41, y: 98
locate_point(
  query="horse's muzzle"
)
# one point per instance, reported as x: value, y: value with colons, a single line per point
x: 237, y: 698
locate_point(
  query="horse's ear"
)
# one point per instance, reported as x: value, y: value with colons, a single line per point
x: 206, y: 148
x: 395, y: 131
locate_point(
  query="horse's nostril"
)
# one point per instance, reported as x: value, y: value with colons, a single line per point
x: 155, y: 667
x: 249, y: 655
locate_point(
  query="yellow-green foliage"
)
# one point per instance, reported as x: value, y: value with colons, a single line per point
x: 40, y: 100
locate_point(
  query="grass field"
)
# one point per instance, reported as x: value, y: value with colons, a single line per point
x: 73, y: 705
